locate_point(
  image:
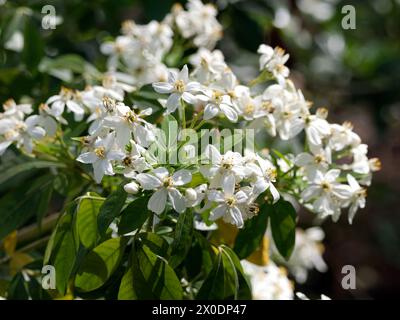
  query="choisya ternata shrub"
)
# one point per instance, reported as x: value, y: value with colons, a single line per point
x: 172, y: 175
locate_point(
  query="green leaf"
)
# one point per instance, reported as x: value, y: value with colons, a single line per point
x: 99, y: 264
x: 64, y: 66
x: 133, y: 216
x: 18, y: 289
x: 44, y: 202
x: 250, y: 237
x: 244, y: 289
x: 155, y: 243
x: 182, y: 239
x: 63, y: 251
x: 126, y: 290
x: 28, y: 166
x: 226, y: 280
x: 283, y: 225
x: 153, y: 278
x: 200, y: 257
x: 86, y: 220
x: 213, y: 287
x: 110, y: 209
x: 197, y: 179
x: 33, y: 45
x: 18, y: 206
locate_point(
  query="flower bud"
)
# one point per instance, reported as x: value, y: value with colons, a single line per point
x: 191, y: 194
x: 131, y: 187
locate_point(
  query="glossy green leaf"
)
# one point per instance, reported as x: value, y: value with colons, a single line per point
x: 283, y: 225
x: 18, y: 168
x: 99, y: 264
x: 126, y: 290
x: 63, y: 251
x: 110, y: 209
x: 244, y: 288
x: 213, y: 287
x: 133, y: 216
x: 182, y: 238
x: 86, y: 220
x: 250, y: 237
x: 153, y: 278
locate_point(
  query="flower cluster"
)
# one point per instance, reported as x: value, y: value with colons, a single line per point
x: 141, y: 49
x: 19, y: 128
x: 329, y: 174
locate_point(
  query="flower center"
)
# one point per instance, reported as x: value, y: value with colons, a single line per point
x: 100, y: 152
x: 319, y: 158
x: 168, y: 182
x: 362, y: 193
x: 227, y: 164
x: 217, y: 96
x: 271, y: 174
x: 230, y: 201
x: 325, y: 186
x: 254, y: 208
x: 127, y: 161
x: 131, y: 116
x: 267, y: 106
x: 179, y: 86
x: 109, y: 103
x: 66, y: 93
x: 8, y: 104
x: 249, y: 108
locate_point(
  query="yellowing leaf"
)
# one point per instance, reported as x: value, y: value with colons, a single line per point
x: 10, y: 243
x: 225, y: 234
x: 261, y: 255
x: 18, y: 261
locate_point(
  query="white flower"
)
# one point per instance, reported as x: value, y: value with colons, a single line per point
x: 18, y: 111
x: 269, y: 282
x: 66, y: 97
x: 288, y: 110
x: 194, y: 196
x: 360, y: 162
x: 328, y: 194
x: 209, y: 65
x: 15, y: 42
x: 127, y: 122
x: 316, y: 129
x: 217, y: 102
x: 228, y: 202
x: 318, y: 159
x: 274, y: 61
x: 265, y: 174
x: 343, y: 136
x: 134, y: 160
x: 21, y: 132
x: 231, y: 163
x: 46, y: 120
x: 307, y: 253
x: 165, y: 186
x: 199, y: 23
x: 102, y: 156
x: 302, y: 296
x: 358, y: 195
x: 179, y: 87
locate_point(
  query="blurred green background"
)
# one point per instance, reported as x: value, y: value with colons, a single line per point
x: 355, y: 73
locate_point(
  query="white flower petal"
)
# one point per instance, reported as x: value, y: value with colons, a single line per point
x: 158, y: 201
x: 182, y: 177
x: 148, y: 181
x: 177, y: 200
